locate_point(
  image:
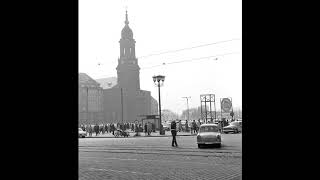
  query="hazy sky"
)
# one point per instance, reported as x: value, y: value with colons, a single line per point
x: 165, y: 25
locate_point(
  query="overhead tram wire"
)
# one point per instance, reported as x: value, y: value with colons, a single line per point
x: 172, y: 51
x: 143, y: 68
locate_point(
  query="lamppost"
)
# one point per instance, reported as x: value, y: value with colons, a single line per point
x: 187, y: 106
x: 158, y: 80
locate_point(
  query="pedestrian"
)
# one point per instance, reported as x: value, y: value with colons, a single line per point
x: 106, y: 128
x: 90, y: 130
x: 154, y: 127
x: 103, y: 129
x: 113, y: 129
x: 180, y: 126
x: 174, y: 133
x: 86, y: 129
x: 96, y: 129
x: 149, y: 128
x: 194, y: 126
x: 145, y: 129
x: 100, y: 129
x: 187, y: 126
x: 198, y: 125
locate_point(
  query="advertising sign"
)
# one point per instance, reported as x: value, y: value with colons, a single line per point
x: 226, y: 105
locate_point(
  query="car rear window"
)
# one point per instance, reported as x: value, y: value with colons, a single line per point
x: 209, y: 129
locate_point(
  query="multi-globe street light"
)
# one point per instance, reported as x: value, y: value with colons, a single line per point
x: 158, y: 80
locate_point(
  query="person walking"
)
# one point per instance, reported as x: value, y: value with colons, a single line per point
x: 174, y: 133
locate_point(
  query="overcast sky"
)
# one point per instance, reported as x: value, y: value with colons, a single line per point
x: 165, y: 25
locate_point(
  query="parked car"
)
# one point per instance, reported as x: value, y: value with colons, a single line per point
x: 82, y: 133
x: 166, y: 127
x: 208, y: 134
x: 235, y: 127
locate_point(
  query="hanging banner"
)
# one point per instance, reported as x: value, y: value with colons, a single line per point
x: 226, y: 105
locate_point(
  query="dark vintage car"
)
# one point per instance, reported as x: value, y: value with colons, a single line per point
x: 208, y: 134
x: 234, y: 127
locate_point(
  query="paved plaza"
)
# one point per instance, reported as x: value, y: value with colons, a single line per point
x: 155, y: 158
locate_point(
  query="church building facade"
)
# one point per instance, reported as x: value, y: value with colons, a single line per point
x: 123, y: 100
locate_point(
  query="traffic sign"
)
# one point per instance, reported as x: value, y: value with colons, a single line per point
x: 226, y: 105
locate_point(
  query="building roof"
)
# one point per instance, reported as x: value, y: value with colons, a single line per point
x: 107, y: 83
x: 86, y: 80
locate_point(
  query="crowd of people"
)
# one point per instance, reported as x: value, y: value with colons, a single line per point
x: 102, y: 129
x: 106, y: 128
x: 194, y: 125
x: 147, y: 127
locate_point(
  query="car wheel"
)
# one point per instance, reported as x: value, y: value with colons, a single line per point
x: 83, y: 136
x: 218, y: 145
x: 226, y: 132
x: 199, y: 146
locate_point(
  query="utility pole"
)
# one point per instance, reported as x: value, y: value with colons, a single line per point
x: 215, y: 111
x: 121, y: 104
x: 87, y: 104
x: 187, y: 106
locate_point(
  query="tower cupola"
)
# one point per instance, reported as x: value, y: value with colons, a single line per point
x: 126, y: 32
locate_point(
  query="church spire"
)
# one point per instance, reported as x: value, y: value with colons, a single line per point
x: 127, y: 22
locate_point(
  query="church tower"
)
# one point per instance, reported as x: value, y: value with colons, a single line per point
x: 128, y: 69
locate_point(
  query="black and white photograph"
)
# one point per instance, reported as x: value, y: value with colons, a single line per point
x: 160, y: 89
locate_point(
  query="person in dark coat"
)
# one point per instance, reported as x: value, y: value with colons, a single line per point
x: 145, y: 129
x: 154, y: 127
x: 174, y: 133
x: 194, y: 126
x: 187, y: 127
x: 113, y: 128
x: 96, y: 129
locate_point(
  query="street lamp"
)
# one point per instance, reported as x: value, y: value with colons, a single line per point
x: 158, y: 80
x: 187, y: 106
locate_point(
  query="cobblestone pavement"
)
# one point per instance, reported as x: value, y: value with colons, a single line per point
x: 154, y: 158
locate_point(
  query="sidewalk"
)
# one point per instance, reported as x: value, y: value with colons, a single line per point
x: 142, y: 134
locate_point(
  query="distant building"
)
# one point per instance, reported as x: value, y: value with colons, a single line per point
x: 123, y: 100
x: 90, y: 100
